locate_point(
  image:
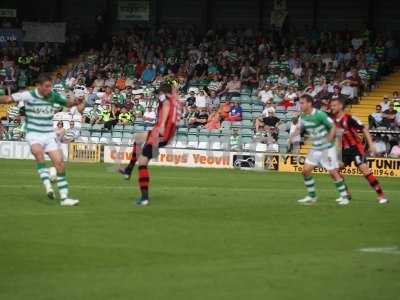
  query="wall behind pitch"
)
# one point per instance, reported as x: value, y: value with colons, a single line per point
x: 336, y: 15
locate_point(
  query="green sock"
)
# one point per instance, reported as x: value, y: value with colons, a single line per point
x: 62, y: 185
x: 43, y: 173
x: 310, y: 186
x: 342, y: 188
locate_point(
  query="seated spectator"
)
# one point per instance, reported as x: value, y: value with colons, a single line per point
x: 385, y: 103
x: 214, y: 120
x: 235, y: 140
x: 376, y: 118
x: 191, y: 100
x: 389, y: 117
x: 213, y: 100
x: 149, y: 117
x: 266, y: 94
x: 124, y: 117
x: 3, y: 132
x: 269, y: 108
x: 121, y: 81
x: 380, y: 146
x: 202, y: 100
x: 232, y: 88
x: 263, y: 135
x: 270, y: 121
x: 225, y: 109
x: 202, y: 118
x: 149, y: 73
x: 60, y: 131
x: 191, y: 116
x: 71, y: 134
x: 395, y: 152
x: 106, y: 98
x: 235, y: 114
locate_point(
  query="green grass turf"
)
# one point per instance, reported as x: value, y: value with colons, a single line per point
x: 208, y: 234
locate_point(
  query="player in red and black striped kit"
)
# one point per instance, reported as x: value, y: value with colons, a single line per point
x: 146, y: 144
x: 353, y: 149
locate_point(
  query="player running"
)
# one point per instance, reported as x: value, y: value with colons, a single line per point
x: 352, y: 146
x: 40, y: 132
x: 322, y: 132
x: 146, y: 144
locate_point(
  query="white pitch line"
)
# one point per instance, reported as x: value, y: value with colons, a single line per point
x: 384, y: 250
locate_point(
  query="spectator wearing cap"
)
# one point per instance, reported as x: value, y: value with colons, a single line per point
x: 235, y: 113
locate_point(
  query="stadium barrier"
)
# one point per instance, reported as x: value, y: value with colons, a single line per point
x: 294, y: 163
x: 84, y: 152
x: 196, y: 158
x: 22, y: 150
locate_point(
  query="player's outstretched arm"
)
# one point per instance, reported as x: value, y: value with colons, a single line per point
x: 5, y: 99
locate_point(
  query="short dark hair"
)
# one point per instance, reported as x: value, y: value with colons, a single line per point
x: 341, y: 101
x: 42, y: 78
x: 308, y: 98
x: 166, y: 88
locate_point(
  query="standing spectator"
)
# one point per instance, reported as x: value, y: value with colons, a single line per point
x: 60, y: 131
x: 295, y: 139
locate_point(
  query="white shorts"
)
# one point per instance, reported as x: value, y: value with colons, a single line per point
x: 48, y: 141
x: 326, y: 158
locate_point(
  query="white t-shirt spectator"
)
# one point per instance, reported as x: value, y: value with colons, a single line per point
x: 267, y: 111
x: 201, y: 101
x: 265, y: 96
x: 380, y: 147
x: 296, y: 138
x: 149, y: 117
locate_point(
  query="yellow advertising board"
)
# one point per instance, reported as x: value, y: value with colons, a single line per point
x: 84, y: 152
x: 294, y: 163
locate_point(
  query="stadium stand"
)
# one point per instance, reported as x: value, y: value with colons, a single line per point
x: 230, y: 80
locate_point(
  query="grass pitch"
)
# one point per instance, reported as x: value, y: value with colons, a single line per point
x: 208, y: 234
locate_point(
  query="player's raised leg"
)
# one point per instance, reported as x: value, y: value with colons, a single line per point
x: 62, y: 184
x: 309, y: 183
x: 38, y: 152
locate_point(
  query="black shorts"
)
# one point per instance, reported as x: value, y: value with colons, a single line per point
x: 353, y: 154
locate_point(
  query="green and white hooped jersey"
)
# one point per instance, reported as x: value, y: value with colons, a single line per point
x: 39, y: 110
x: 317, y: 125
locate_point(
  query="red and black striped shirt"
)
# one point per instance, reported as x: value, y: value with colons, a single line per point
x: 351, y: 128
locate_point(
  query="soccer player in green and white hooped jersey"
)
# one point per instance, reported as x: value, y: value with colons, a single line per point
x: 40, y: 132
x: 322, y: 133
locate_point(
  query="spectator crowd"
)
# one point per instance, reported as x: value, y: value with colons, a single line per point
x: 227, y: 77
